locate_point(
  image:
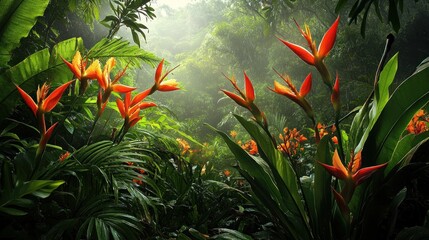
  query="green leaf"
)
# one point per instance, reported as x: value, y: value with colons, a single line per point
x: 39, y: 188
x: 322, y: 191
x: 339, y: 5
x: 407, y: 99
x: 270, y: 190
x: 135, y: 37
x: 32, y: 70
x: 122, y: 51
x: 280, y: 167
x: 381, y: 96
x: 386, y: 198
x: 394, y: 16
x: 405, y: 147
x: 230, y: 234
x: 414, y: 233
x: 13, y: 211
x: 17, y: 18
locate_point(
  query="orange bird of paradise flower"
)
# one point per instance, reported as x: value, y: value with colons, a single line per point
x: 317, y: 54
x: 353, y: 175
x: 110, y: 86
x: 293, y: 94
x: 160, y: 84
x: 246, y: 99
x: 45, y: 103
x: 78, y: 68
x: 130, y: 112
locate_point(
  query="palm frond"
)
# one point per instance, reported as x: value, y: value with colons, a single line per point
x: 123, y: 51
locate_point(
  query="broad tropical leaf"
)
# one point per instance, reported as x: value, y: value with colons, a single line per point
x: 270, y: 191
x: 32, y: 70
x: 407, y: 99
x: 17, y: 18
x: 405, y: 147
x: 367, y: 116
x: 15, y: 197
x: 322, y: 202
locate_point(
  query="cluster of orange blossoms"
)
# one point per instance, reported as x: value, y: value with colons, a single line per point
x: 227, y: 172
x: 419, y: 123
x: 291, y: 142
x: 250, y: 146
x: 64, y: 156
x: 184, y: 146
x: 141, y: 171
x: 128, y: 108
x: 323, y: 132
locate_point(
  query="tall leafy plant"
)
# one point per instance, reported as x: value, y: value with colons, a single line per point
x: 371, y: 164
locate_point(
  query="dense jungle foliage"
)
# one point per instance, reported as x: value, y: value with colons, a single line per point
x: 220, y: 119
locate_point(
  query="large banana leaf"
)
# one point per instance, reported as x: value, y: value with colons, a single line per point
x: 17, y: 18
x: 38, y: 67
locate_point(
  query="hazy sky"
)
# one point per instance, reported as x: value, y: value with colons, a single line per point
x: 172, y: 3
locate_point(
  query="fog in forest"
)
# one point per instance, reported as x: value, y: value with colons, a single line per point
x: 210, y: 39
x: 214, y: 119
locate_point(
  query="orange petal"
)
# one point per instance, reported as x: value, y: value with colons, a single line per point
x: 47, y: 135
x: 335, y: 96
x: 139, y: 97
x: 134, y: 118
x: 341, y: 202
x: 77, y: 59
x: 334, y: 171
x: 121, y: 107
x: 134, y: 108
x: 305, y: 86
x: 159, y: 72
x: 28, y: 100
x: 283, y: 90
x: 134, y: 121
x: 336, y: 161
x: 93, y: 71
x: 357, y: 161
x: 111, y: 62
x: 301, y: 52
x: 328, y: 40
x: 365, y: 173
x: 239, y: 100
x: 76, y: 71
x: 169, y: 85
x: 250, y: 92
x: 127, y: 100
x: 144, y: 105
x: 334, y: 139
x: 52, y: 100
x: 119, y: 88
x: 102, y: 80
